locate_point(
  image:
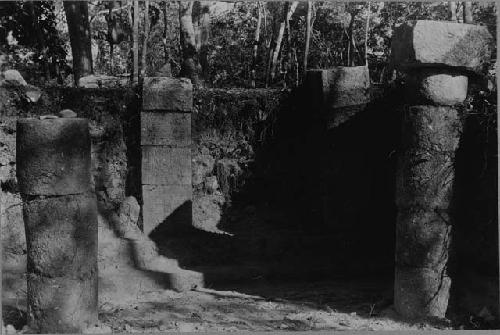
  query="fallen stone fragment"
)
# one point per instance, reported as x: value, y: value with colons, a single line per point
x: 67, y: 113
x: 33, y: 93
x: 13, y: 77
x: 48, y: 117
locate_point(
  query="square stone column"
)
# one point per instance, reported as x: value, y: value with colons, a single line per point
x: 438, y: 57
x: 166, y: 150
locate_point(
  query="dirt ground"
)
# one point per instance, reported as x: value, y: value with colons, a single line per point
x: 264, y: 306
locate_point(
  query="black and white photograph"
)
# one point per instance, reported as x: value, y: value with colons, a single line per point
x: 248, y: 166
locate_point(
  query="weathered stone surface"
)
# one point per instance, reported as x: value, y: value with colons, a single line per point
x: 98, y: 81
x: 61, y: 305
x: 343, y: 86
x: 13, y: 77
x: 202, y: 165
x: 67, y: 113
x: 33, y: 93
x: 163, y: 165
x: 441, y: 43
x: 343, y: 92
x: 426, y: 166
x: 128, y: 216
x: 421, y: 292
x: 186, y: 280
x: 173, y: 129
x: 425, y: 180
x: 167, y: 94
x: 161, y: 201
x: 431, y: 128
x: 423, y: 238
x: 61, y: 234
x: 207, y: 211
x: 437, y: 87
x: 48, y: 117
x: 145, y: 251
x: 53, y: 156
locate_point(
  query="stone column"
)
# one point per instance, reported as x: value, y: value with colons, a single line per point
x: 166, y: 150
x: 337, y: 94
x: 60, y: 218
x: 438, y: 58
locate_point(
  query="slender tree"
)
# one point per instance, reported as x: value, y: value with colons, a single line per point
x: 366, y: 32
x: 77, y: 17
x: 201, y: 23
x: 256, y: 42
x: 288, y: 11
x: 452, y: 11
x: 467, y: 12
x: 308, y: 34
x: 135, y: 38
x: 190, y: 67
x: 146, y: 38
x: 165, y: 33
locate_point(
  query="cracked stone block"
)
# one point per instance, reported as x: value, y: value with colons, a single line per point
x: 422, y: 292
x: 167, y: 94
x: 166, y: 204
x: 53, y: 156
x: 425, y: 43
x: 437, y: 87
x: 172, y: 129
x: 162, y: 165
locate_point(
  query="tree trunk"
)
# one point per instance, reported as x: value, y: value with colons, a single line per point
x: 288, y: 11
x: 146, y: 37
x: 277, y: 44
x: 351, y: 45
x: 201, y: 22
x: 468, y: 12
x: 452, y: 11
x: 256, y: 43
x: 190, y: 67
x: 39, y: 36
x: 366, y: 32
x: 135, y: 37
x: 111, y: 28
x: 308, y: 35
x: 165, y: 44
x: 77, y: 17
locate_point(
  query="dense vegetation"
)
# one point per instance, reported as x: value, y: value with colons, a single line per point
x: 216, y: 44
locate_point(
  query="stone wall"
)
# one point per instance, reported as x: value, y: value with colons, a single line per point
x: 111, y: 115
x: 259, y: 164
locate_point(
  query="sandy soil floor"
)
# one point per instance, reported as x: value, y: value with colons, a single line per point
x: 339, y: 305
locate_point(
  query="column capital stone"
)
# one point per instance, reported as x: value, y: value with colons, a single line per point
x: 426, y: 43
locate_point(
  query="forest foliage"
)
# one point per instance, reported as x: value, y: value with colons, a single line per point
x: 216, y: 44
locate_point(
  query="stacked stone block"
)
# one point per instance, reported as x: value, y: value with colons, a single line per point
x: 337, y: 94
x: 60, y: 218
x: 438, y: 57
x: 342, y: 91
x: 166, y: 152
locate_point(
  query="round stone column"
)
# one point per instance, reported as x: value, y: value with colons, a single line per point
x: 437, y: 58
x: 60, y: 218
